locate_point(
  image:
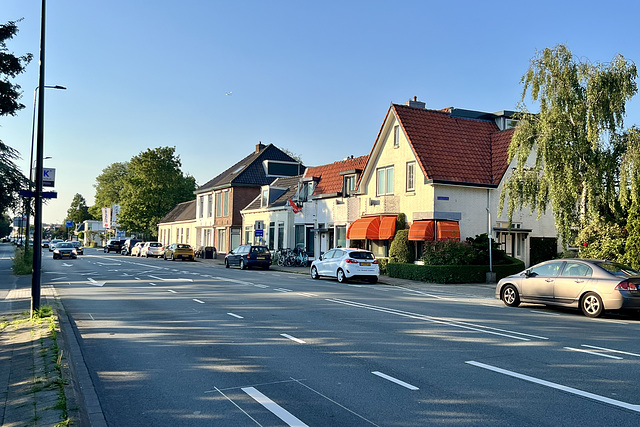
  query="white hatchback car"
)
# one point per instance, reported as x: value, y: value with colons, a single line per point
x: 345, y: 264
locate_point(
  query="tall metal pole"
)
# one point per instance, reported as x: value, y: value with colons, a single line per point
x: 37, y: 235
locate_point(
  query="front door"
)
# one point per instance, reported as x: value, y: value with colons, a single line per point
x: 569, y: 284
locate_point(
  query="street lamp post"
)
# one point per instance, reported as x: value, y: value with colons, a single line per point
x: 33, y: 126
x: 37, y: 238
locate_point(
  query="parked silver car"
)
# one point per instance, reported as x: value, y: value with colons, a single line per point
x: 591, y: 285
x: 345, y: 264
x: 154, y: 249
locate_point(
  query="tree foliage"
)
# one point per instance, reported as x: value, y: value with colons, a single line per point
x: 78, y: 210
x: 11, y: 178
x: 109, y: 185
x: 152, y: 187
x: 401, y: 249
x: 573, y: 139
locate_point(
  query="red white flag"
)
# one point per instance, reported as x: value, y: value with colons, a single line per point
x: 295, y: 207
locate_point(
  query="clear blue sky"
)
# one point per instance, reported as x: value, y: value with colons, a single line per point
x: 315, y: 78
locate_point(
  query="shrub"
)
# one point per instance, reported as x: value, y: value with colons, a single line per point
x: 452, y: 273
x: 474, y: 251
x: 382, y: 263
x: 401, y: 249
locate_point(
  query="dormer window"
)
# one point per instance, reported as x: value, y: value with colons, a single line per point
x: 349, y: 184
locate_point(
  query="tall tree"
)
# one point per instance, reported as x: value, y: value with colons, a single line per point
x: 78, y: 210
x: 109, y: 184
x: 572, y: 140
x: 11, y: 178
x: 154, y: 185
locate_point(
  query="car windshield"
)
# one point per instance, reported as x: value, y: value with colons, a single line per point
x: 155, y: 245
x: 64, y: 245
x: 75, y: 244
x: 361, y: 255
x: 260, y: 249
x: 619, y: 270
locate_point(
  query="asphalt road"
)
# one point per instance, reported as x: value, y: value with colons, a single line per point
x: 188, y: 344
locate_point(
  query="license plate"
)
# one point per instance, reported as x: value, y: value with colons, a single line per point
x: 261, y: 257
x: 365, y: 264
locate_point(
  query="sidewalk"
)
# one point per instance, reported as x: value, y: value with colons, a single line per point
x: 29, y: 378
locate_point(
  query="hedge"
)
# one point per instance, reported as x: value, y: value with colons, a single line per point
x: 452, y: 273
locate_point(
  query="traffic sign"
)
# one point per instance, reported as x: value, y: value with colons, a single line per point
x: 48, y: 177
x: 68, y: 224
x: 259, y: 233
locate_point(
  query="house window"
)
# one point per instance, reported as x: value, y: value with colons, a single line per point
x: 280, y: 235
x: 341, y: 236
x: 218, y: 205
x: 248, y: 235
x: 272, y: 234
x: 225, y: 207
x: 210, y: 206
x: 187, y: 241
x: 396, y: 136
x: 201, y: 207
x: 411, y: 176
x: 265, y: 198
x: 222, y: 240
x: 349, y: 184
x: 299, y: 230
x: 385, y: 181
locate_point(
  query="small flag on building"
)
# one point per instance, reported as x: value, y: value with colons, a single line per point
x: 295, y: 207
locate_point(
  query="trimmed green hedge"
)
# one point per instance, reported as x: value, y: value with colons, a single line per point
x: 452, y: 273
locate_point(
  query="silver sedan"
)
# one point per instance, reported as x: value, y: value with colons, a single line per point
x: 591, y: 285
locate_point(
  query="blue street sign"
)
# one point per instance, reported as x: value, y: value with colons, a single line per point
x: 259, y: 233
x: 69, y: 224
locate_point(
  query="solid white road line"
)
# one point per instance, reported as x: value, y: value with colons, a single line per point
x: 235, y: 315
x: 395, y: 380
x: 298, y: 340
x: 274, y: 408
x: 595, y: 353
x: 603, y: 399
x: 610, y: 350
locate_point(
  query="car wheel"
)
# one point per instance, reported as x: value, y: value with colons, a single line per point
x: 226, y: 263
x: 165, y: 257
x: 510, y: 296
x: 591, y: 305
x: 373, y: 280
x: 314, y: 273
x: 172, y: 258
x: 341, y: 277
x: 242, y: 266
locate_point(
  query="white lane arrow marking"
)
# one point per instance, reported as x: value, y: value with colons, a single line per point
x: 94, y: 283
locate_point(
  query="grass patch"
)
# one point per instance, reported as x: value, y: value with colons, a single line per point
x: 23, y: 264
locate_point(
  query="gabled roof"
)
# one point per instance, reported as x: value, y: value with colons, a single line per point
x: 289, y: 186
x: 330, y: 179
x: 455, y: 149
x: 185, y: 211
x: 248, y: 171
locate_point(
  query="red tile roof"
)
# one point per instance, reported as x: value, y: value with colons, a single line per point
x: 455, y: 149
x: 330, y: 180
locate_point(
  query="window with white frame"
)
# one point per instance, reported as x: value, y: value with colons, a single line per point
x: 265, y: 199
x: 201, y: 210
x: 411, y: 176
x: 396, y: 136
x: 385, y: 181
x: 349, y: 184
x: 225, y: 204
x: 210, y: 206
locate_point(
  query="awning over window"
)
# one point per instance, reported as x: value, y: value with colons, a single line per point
x: 387, y: 227
x: 447, y: 230
x: 380, y: 227
x: 434, y: 230
x: 422, y: 230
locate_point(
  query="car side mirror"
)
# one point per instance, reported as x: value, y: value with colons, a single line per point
x: 528, y: 273
x: 320, y: 258
x: 230, y: 252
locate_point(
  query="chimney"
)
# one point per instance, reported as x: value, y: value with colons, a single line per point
x: 415, y: 103
x: 259, y: 146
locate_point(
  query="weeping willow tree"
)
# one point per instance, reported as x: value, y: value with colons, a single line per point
x: 630, y: 195
x: 568, y: 155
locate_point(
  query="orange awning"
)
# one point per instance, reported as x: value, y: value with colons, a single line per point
x: 387, y: 227
x: 448, y: 230
x: 367, y: 227
x: 380, y: 227
x: 422, y: 230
